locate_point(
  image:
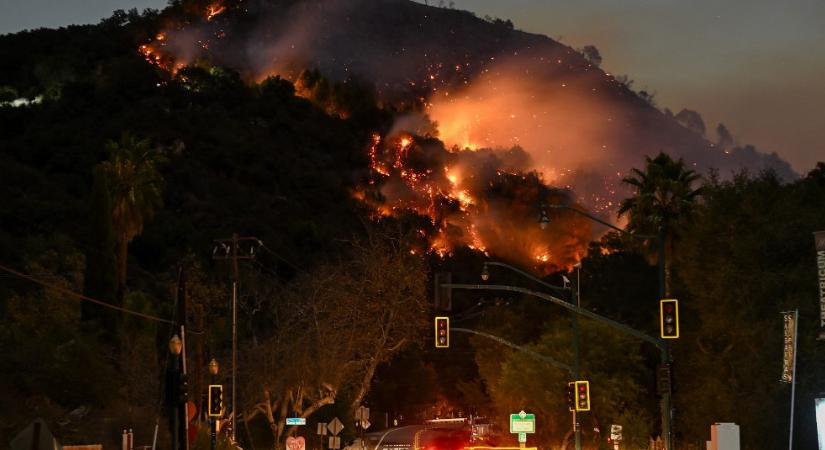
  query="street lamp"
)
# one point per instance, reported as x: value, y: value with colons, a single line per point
x: 213, y: 367
x: 485, y: 273
x: 175, y: 345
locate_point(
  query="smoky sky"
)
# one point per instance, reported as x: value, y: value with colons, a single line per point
x: 754, y: 65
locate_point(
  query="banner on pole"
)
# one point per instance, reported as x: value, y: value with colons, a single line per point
x: 788, y: 355
x: 819, y: 239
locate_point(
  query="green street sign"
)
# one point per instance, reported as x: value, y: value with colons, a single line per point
x: 522, y: 423
x: 522, y: 437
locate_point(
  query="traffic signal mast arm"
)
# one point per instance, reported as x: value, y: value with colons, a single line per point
x: 507, y: 343
x: 526, y: 275
x: 607, y: 224
x: 659, y: 343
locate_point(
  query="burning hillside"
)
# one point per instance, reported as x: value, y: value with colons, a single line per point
x: 486, y: 87
x: 480, y: 199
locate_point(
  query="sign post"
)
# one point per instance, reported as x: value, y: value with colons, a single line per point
x: 521, y: 424
x: 335, y: 426
x: 616, y: 435
x: 819, y: 239
x: 791, y: 319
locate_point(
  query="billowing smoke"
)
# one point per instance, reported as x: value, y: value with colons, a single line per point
x: 487, y: 88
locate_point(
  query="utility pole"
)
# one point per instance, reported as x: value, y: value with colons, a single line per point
x: 229, y: 249
x: 198, y: 372
x: 184, y: 411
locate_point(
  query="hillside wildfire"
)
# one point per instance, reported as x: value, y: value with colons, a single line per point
x: 476, y: 86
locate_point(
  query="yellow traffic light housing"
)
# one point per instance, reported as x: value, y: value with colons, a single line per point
x: 442, y: 332
x: 215, y: 400
x: 582, y: 395
x: 669, y: 318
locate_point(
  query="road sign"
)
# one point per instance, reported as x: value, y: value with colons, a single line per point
x: 365, y: 424
x: 362, y: 414
x: 334, y: 442
x: 615, y: 433
x: 522, y: 423
x: 296, y: 421
x: 295, y: 443
x: 335, y: 426
x: 522, y: 437
x: 321, y: 429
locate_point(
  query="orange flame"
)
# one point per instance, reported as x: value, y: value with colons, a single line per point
x: 214, y: 9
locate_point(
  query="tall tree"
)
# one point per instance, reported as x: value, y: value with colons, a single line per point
x: 136, y: 189
x: 664, y: 199
x: 334, y: 327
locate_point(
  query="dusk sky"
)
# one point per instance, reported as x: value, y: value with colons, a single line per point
x: 755, y: 65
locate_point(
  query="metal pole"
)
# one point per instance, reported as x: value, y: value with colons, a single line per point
x: 793, y: 377
x: 234, y: 329
x: 577, y: 432
x: 185, y: 404
x: 155, y: 435
x: 174, y: 413
x: 667, y: 408
x: 213, y: 428
x: 184, y: 412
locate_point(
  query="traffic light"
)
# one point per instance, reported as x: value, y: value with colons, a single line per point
x: 442, y: 332
x: 571, y: 396
x: 183, y: 389
x: 215, y: 400
x: 582, y: 396
x: 669, y: 318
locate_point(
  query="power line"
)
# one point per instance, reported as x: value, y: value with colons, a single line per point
x: 83, y: 297
x: 281, y: 257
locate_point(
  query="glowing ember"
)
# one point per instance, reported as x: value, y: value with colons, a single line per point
x: 214, y: 9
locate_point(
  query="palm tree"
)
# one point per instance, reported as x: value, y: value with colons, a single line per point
x: 136, y: 188
x: 663, y: 201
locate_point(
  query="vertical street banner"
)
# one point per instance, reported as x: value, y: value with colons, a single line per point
x: 819, y: 238
x: 788, y: 355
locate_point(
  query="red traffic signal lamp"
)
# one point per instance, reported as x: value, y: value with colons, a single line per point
x: 442, y: 332
x: 582, y: 395
x: 215, y: 400
x: 669, y: 318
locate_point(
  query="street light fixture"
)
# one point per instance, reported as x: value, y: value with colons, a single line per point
x: 485, y: 273
x: 175, y: 345
x: 213, y: 367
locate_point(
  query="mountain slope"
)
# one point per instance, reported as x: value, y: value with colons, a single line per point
x: 486, y: 84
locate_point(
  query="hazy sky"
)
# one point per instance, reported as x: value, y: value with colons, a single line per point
x: 756, y: 65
